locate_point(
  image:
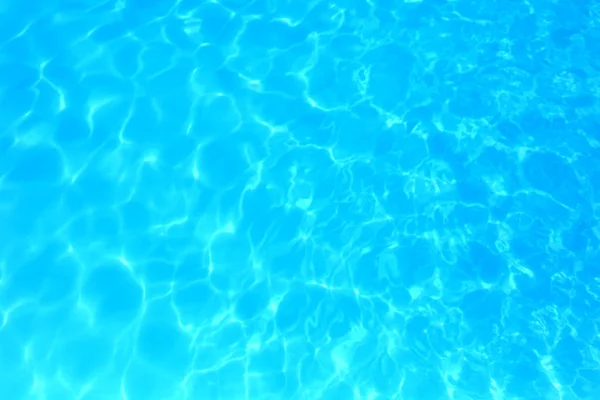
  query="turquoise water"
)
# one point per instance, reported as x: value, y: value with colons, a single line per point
x: 271, y: 199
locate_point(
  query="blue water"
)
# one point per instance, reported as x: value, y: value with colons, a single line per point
x: 295, y: 199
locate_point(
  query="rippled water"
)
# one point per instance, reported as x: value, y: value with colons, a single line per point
x: 294, y: 199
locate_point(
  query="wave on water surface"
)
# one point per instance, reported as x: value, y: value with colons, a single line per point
x: 348, y: 199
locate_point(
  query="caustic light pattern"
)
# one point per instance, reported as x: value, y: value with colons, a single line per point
x: 290, y: 199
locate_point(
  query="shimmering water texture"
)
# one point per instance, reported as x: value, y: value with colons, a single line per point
x: 271, y: 199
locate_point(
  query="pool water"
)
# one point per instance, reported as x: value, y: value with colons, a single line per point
x: 296, y: 199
